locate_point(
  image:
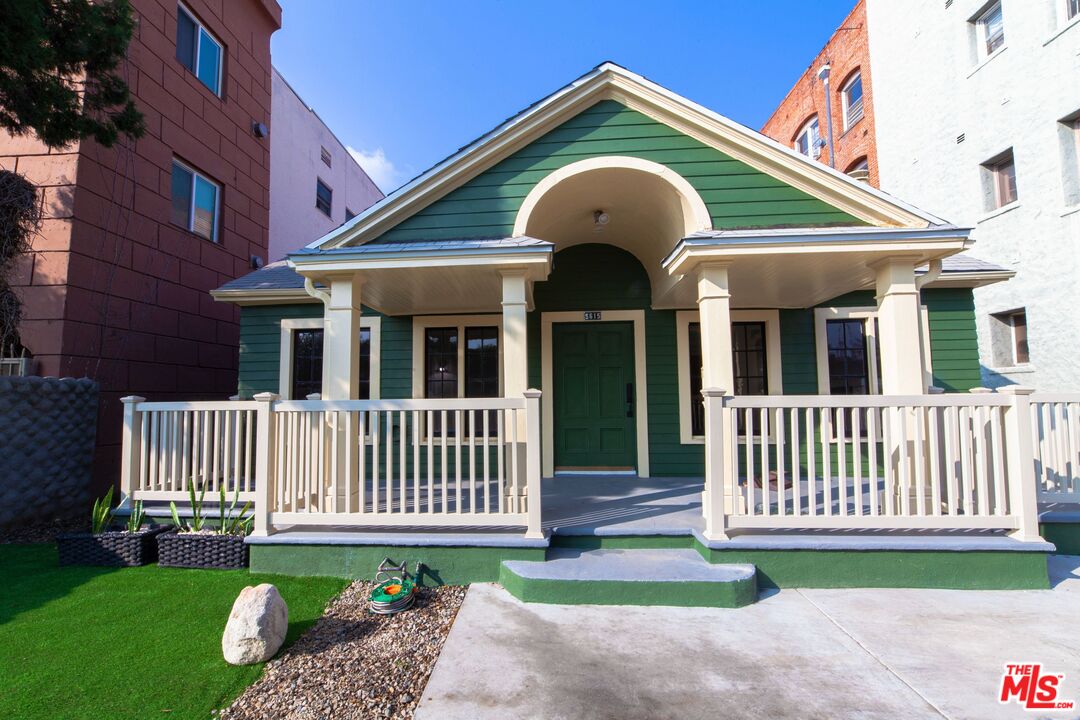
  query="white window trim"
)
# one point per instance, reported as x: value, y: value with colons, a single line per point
x: 191, y: 205
x: 846, y: 100
x: 812, y: 142
x: 199, y: 26
x: 867, y: 314
x: 420, y: 325
x: 773, y: 362
x: 285, y: 366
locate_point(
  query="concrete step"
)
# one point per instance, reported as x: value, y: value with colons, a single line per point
x: 672, y: 577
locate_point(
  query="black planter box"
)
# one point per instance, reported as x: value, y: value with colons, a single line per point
x: 113, y: 548
x: 202, y: 550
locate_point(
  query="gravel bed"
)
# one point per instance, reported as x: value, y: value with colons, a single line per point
x: 43, y: 532
x: 352, y: 664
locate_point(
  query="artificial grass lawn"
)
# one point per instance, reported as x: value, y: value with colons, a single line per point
x: 96, y: 643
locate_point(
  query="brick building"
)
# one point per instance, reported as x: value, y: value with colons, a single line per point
x: 135, y: 236
x: 835, y: 86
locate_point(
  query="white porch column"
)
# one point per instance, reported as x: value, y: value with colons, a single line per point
x: 898, y: 328
x: 341, y: 333
x: 515, y: 363
x: 714, y: 309
x: 514, y: 351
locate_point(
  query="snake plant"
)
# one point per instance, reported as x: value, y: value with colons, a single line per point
x: 102, y: 514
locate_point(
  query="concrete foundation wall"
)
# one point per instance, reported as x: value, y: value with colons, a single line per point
x: 47, y: 432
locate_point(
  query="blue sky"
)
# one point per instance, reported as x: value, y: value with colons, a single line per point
x: 404, y: 84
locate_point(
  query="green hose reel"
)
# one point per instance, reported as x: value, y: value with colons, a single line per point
x: 396, y: 589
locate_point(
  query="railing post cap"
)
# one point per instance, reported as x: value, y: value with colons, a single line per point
x: 713, y: 392
x: 980, y: 390
x: 266, y: 397
x: 1016, y: 390
x: 533, y: 393
x: 130, y: 399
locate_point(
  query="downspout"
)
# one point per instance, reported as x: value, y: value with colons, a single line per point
x: 823, y: 75
x: 310, y: 289
x: 933, y: 272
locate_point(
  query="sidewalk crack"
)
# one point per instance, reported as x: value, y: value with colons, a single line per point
x: 872, y: 654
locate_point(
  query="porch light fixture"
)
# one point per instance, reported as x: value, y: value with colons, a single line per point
x: 600, y: 219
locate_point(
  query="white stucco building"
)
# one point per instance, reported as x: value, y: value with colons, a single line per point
x: 315, y: 184
x: 978, y: 116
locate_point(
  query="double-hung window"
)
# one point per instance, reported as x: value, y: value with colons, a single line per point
x: 460, y: 359
x: 808, y: 141
x: 303, y: 365
x: 324, y: 198
x: 196, y: 201
x: 852, y: 94
x: 991, y: 28
x: 198, y: 50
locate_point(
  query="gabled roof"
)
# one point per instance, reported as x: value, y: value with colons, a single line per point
x: 611, y: 81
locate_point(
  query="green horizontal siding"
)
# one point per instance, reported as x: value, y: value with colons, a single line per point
x: 737, y: 195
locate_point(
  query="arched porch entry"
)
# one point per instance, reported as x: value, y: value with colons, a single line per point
x: 612, y: 221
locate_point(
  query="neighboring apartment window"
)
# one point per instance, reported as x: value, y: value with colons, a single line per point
x: 325, y: 154
x: 991, y: 29
x: 852, y: 94
x: 1072, y: 9
x: 307, y: 362
x: 349, y: 214
x: 1001, y: 173
x: 198, y: 50
x: 808, y: 141
x: 195, y: 201
x: 849, y: 370
x: 1021, y: 355
x: 749, y: 367
x: 324, y: 197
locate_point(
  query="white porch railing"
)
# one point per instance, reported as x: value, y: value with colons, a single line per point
x: 378, y: 463
x: 1055, y: 427
x: 871, y: 462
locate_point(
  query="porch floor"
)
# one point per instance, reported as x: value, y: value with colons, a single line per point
x: 613, y: 505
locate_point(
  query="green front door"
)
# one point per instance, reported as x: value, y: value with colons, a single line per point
x: 594, y: 396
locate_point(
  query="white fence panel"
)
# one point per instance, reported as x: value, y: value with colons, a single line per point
x: 1055, y: 427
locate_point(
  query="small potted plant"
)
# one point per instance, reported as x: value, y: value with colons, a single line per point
x: 126, y: 546
x: 198, y: 544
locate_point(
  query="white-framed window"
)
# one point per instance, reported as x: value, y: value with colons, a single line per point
x: 198, y: 50
x: 324, y: 198
x: 300, y: 363
x: 755, y: 350
x: 852, y: 95
x: 1072, y: 9
x: 196, y: 201
x: 458, y: 356
x: 990, y: 29
x: 808, y: 139
x: 1000, y: 174
x: 848, y: 354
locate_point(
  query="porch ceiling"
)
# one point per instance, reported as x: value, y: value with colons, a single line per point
x: 802, y: 268
x: 424, y: 278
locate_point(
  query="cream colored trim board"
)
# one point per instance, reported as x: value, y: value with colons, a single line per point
x: 610, y: 81
x: 287, y: 296
x: 422, y: 322
x: 547, y: 402
x: 868, y: 314
x: 285, y: 362
x: 773, y: 359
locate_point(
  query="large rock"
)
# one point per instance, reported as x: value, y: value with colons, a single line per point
x: 256, y: 627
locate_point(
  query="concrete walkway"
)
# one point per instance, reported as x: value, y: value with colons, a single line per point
x: 890, y: 654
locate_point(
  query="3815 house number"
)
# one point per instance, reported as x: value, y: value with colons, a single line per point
x: 594, y: 315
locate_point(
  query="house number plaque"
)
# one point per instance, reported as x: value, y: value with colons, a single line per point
x: 593, y: 315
